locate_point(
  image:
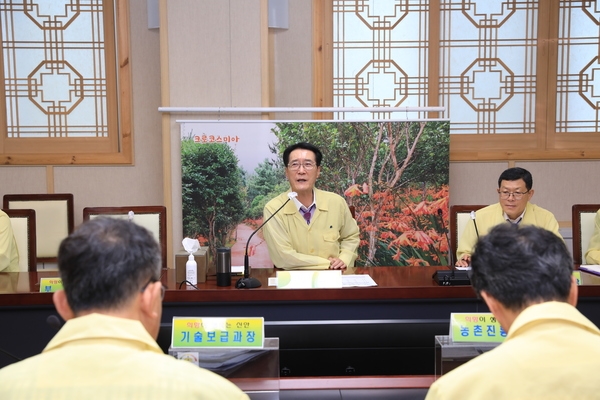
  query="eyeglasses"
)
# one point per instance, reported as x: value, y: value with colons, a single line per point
x: 163, y: 288
x: 515, y: 195
x: 295, y: 166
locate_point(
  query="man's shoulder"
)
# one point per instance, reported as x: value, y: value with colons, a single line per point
x: 491, y: 210
x: 539, y: 211
x: 154, y: 372
x: 195, y: 378
x: 478, y: 371
x: 328, y: 196
x: 4, y: 216
x: 277, y: 200
x: 19, y: 369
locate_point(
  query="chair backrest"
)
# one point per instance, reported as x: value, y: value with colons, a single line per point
x: 153, y: 218
x: 23, y: 227
x: 583, y: 229
x: 53, y: 219
x: 460, y: 215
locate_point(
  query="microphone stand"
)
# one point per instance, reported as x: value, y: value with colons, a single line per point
x: 452, y: 277
x: 248, y: 282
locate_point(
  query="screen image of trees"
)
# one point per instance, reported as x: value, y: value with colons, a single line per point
x: 395, y: 174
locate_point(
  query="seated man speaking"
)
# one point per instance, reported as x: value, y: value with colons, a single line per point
x: 514, y: 192
x: 112, y: 302
x: 551, y: 351
x: 316, y: 229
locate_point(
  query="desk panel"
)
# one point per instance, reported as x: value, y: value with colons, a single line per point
x: 384, y: 330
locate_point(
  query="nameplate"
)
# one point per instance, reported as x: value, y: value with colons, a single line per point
x: 475, y: 328
x: 50, y: 285
x: 218, y: 332
x: 577, y: 275
x: 309, y: 279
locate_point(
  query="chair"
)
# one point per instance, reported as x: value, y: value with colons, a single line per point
x: 583, y: 229
x: 23, y: 226
x: 53, y: 219
x: 153, y: 218
x: 459, y: 216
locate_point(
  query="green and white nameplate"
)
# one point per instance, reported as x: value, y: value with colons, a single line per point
x: 50, y: 285
x: 218, y: 332
x: 577, y: 275
x: 475, y: 328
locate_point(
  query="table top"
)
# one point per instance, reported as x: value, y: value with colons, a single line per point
x: 393, y: 283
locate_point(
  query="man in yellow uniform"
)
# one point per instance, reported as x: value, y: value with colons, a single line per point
x: 592, y: 255
x: 525, y: 276
x: 316, y: 229
x: 515, y: 190
x: 112, y: 302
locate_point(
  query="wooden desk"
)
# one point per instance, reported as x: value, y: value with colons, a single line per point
x: 384, y: 330
x: 393, y: 283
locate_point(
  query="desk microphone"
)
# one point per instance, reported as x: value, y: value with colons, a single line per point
x: 248, y: 282
x: 475, y: 223
x: 452, y: 277
x: 450, y: 255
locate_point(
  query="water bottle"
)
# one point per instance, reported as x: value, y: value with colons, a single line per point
x: 191, y: 270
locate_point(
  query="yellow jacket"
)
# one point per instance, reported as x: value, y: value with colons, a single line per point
x: 592, y: 255
x: 9, y: 255
x: 294, y: 244
x: 98, y: 356
x: 492, y: 215
x: 549, y: 353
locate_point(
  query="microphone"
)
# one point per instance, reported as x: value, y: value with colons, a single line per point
x: 450, y: 255
x: 452, y: 277
x: 247, y: 282
x: 475, y: 223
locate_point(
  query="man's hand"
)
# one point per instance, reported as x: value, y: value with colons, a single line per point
x: 336, y: 263
x: 464, y: 261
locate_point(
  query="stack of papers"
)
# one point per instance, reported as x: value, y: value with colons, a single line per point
x: 357, y: 281
x: 319, y: 279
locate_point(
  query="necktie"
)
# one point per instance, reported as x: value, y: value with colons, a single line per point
x: 515, y: 222
x: 307, y: 213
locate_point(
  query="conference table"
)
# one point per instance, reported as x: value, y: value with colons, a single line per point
x: 385, y: 330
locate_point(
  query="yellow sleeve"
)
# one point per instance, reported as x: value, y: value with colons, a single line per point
x: 592, y: 255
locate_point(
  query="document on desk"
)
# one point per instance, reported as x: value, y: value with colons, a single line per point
x: 319, y: 279
x: 309, y: 279
x: 362, y: 280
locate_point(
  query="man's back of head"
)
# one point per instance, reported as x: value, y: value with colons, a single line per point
x: 105, y: 262
x: 520, y: 266
x: 524, y: 275
x: 112, y: 302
